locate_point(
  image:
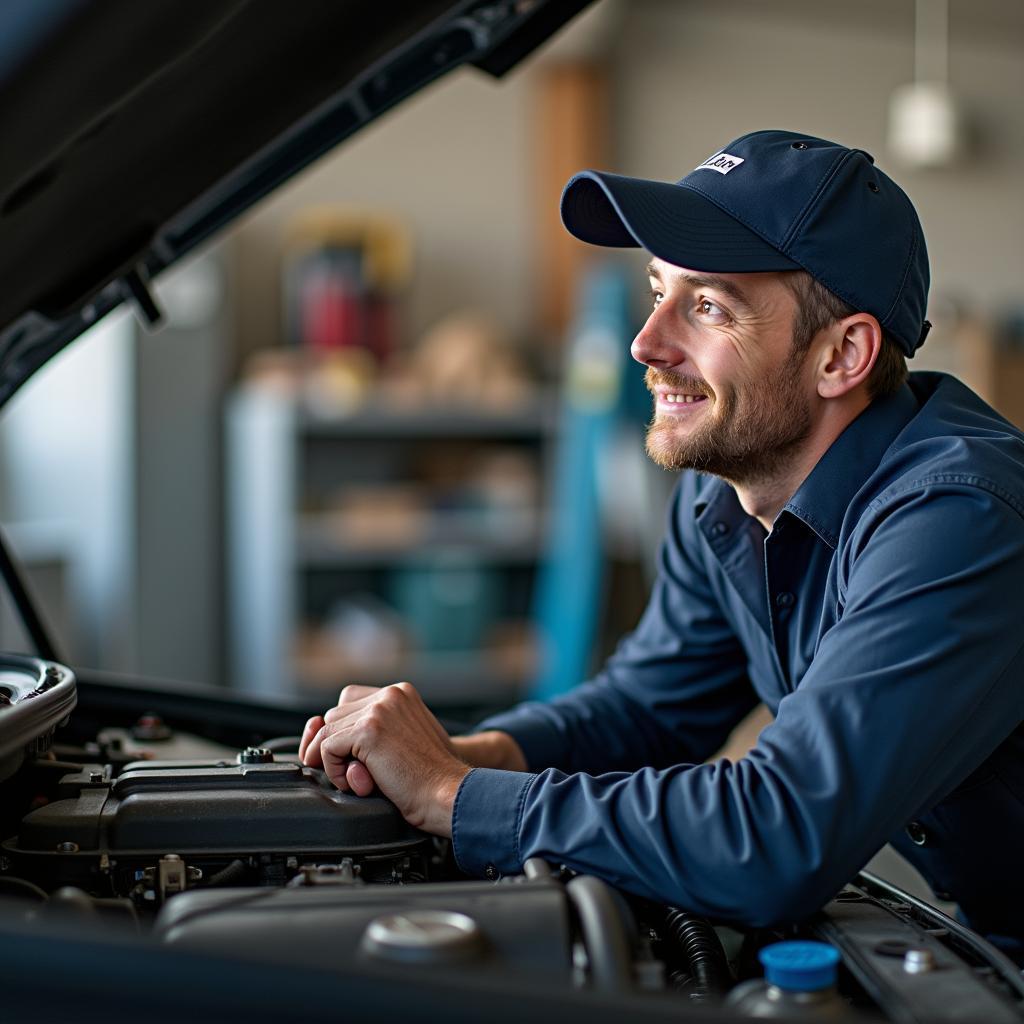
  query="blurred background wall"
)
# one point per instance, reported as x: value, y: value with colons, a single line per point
x: 461, y: 163
x: 691, y: 75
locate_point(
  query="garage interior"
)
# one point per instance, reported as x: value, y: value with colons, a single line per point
x: 383, y: 434
x: 389, y: 427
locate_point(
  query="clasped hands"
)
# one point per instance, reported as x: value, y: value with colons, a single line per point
x: 386, y: 738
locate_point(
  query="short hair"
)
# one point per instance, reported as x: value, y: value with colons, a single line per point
x: 818, y: 307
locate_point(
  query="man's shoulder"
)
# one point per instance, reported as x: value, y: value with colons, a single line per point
x: 948, y: 406
x: 955, y: 439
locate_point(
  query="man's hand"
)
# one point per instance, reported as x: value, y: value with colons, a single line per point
x: 386, y: 737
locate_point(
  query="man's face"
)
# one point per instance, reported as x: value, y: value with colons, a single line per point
x: 730, y: 396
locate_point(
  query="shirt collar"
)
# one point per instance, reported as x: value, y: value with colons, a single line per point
x: 822, y: 499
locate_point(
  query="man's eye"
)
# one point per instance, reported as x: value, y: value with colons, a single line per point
x: 656, y: 298
x: 711, y: 309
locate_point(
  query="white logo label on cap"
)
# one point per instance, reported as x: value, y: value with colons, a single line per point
x: 721, y: 162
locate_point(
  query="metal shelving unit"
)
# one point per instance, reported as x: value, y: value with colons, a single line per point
x: 290, y: 553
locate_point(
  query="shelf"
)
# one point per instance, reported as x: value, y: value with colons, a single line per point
x: 387, y: 422
x: 387, y: 504
x: 323, y: 558
x: 321, y: 544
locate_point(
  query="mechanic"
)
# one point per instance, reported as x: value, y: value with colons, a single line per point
x: 845, y: 544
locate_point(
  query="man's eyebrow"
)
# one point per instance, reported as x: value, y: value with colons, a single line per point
x: 730, y: 288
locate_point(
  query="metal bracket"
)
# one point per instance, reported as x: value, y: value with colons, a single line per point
x: 135, y: 286
x: 171, y: 875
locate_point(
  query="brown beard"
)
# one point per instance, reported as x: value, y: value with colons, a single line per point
x: 747, y: 435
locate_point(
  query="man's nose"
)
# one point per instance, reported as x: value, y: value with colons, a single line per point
x: 657, y: 347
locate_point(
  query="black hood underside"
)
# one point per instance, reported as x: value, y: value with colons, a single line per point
x: 133, y: 131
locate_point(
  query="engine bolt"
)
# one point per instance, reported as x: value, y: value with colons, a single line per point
x: 919, y: 961
x: 256, y: 755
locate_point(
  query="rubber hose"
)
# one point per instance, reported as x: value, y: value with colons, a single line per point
x: 536, y: 867
x: 702, y: 953
x: 605, y: 928
x: 236, y: 871
x: 23, y: 887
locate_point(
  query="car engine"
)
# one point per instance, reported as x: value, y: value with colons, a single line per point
x: 256, y: 822
x: 192, y: 845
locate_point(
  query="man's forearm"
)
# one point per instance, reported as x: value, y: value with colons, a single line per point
x: 491, y: 749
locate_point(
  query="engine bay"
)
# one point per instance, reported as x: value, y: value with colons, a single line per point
x: 155, y: 828
x: 185, y: 843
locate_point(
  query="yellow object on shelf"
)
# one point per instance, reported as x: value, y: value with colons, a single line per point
x: 343, y: 269
x: 385, y: 241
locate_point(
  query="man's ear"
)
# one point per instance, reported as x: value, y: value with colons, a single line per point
x: 851, y: 348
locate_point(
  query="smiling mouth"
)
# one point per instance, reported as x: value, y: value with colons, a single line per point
x: 678, y: 403
x: 677, y: 394
x: 681, y: 399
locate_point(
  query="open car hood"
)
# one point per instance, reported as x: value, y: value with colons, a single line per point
x: 134, y: 131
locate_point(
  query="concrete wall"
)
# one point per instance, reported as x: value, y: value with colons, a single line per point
x: 690, y: 76
x: 686, y: 76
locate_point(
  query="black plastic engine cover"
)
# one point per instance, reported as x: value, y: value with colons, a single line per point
x: 217, y: 809
x: 518, y: 925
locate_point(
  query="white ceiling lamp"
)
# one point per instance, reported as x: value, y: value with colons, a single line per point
x: 925, y: 125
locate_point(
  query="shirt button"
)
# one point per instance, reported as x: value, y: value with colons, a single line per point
x: 784, y: 599
x: 490, y: 872
x: 719, y: 529
x: 917, y: 834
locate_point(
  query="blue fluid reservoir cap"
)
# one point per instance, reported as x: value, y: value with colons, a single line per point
x: 800, y: 966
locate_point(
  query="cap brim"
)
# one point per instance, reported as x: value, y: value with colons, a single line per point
x: 672, y: 222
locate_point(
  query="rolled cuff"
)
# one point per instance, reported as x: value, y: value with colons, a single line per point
x: 485, y: 821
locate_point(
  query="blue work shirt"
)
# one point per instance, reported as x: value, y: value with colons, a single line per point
x: 881, y: 621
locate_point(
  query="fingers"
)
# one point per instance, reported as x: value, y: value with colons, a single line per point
x: 352, y: 698
x: 313, y: 726
x: 410, y: 691
x: 311, y: 756
x: 358, y: 778
x: 340, y: 782
x: 355, y: 692
x: 369, y: 717
x: 336, y: 755
x: 345, y: 773
x: 358, y: 698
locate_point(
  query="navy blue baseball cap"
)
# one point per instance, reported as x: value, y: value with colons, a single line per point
x: 774, y: 200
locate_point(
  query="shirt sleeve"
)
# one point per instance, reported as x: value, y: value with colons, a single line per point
x: 916, y: 684
x: 672, y: 691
